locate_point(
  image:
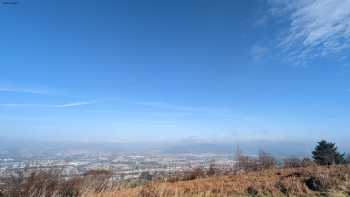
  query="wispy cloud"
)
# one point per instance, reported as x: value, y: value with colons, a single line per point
x: 186, y: 109
x: 138, y: 107
x: 72, y: 104
x: 23, y: 105
x: 156, y: 105
x: 316, y: 27
x: 75, y: 104
x: 15, y: 89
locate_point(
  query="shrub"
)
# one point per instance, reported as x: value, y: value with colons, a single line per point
x: 247, y: 163
x: 39, y: 183
x: 326, y: 153
x: 307, y: 162
x: 322, y: 181
x: 49, y: 183
x: 252, y: 191
x: 291, y: 186
x: 211, y: 170
x: 148, y: 190
x: 194, y: 174
x: 292, y: 162
x: 146, y: 176
x: 266, y: 161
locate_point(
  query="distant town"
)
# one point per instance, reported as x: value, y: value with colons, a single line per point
x: 124, y: 166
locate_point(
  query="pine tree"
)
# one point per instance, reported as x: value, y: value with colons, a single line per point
x: 326, y: 153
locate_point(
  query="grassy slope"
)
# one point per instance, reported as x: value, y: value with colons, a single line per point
x: 331, y: 181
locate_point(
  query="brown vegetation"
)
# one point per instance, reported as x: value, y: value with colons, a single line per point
x: 50, y: 183
x: 302, y: 181
x: 306, y: 181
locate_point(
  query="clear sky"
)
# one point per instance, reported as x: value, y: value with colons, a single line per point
x: 158, y: 70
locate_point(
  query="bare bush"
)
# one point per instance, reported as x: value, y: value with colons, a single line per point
x: 211, y: 170
x: 292, y: 162
x: 306, y: 162
x: 266, y: 161
x: 38, y: 183
x: 98, y: 180
x: 50, y: 183
x: 247, y: 163
x: 194, y: 174
x: 321, y: 182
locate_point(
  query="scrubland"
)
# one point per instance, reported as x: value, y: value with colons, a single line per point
x: 310, y: 180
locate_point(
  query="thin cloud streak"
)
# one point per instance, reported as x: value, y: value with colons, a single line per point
x: 23, y: 105
x: 75, y: 104
x: 23, y: 90
x: 178, y: 108
x: 162, y: 105
x: 159, y: 108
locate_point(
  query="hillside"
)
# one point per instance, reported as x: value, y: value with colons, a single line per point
x: 308, y: 181
x: 312, y: 180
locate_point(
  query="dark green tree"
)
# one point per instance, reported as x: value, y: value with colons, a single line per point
x: 326, y: 153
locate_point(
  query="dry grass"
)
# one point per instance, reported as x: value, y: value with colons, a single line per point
x: 327, y: 181
x: 303, y: 181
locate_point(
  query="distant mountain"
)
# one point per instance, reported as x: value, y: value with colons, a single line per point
x: 278, y: 148
x: 189, y: 145
x: 199, y: 148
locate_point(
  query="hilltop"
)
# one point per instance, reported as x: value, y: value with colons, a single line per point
x: 304, y: 181
x: 312, y: 180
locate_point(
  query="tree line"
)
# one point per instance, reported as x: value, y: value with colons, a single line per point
x: 324, y: 153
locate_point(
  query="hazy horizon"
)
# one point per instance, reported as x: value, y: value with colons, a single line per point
x: 164, y: 71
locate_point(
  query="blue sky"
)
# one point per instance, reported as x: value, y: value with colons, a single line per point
x: 163, y: 70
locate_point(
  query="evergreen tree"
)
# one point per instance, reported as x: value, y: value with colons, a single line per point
x: 326, y: 153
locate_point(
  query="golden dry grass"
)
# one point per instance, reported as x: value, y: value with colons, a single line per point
x: 332, y: 181
x: 304, y: 181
